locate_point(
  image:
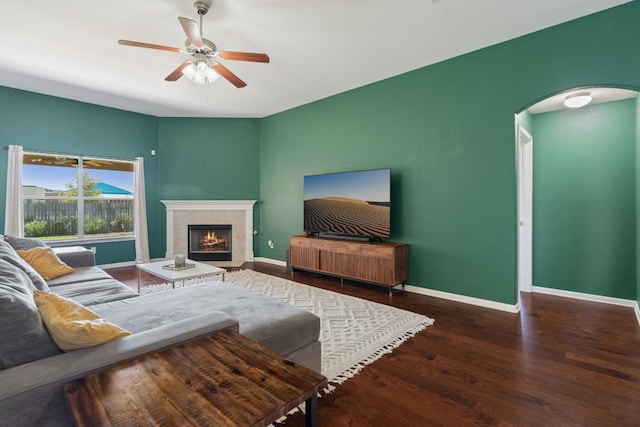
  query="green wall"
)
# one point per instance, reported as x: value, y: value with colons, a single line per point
x: 195, y: 158
x: 209, y: 159
x: 584, y: 205
x: 447, y: 132
x: 41, y: 122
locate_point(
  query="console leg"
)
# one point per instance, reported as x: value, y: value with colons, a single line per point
x: 392, y: 288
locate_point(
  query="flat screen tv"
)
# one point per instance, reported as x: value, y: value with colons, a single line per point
x: 356, y: 204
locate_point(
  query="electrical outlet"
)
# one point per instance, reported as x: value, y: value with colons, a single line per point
x: 270, y: 243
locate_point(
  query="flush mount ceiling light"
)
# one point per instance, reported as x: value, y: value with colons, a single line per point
x: 578, y: 100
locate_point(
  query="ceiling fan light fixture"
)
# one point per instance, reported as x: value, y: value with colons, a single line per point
x: 200, y: 72
x: 578, y: 100
x: 205, y: 67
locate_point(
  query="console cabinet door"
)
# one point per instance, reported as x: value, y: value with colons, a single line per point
x: 359, y: 267
x: 302, y: 254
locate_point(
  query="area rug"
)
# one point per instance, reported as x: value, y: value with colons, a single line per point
x: 354, y: 332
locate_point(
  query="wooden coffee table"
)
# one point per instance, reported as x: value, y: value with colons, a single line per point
x: 199, y: 269
x: 223, y: 379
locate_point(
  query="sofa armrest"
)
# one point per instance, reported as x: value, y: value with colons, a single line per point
x: 58, y: 370
x: 76, y: 256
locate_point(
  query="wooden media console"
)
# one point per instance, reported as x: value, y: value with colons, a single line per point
x: 380, y: 263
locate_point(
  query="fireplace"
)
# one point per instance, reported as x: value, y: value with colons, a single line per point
x: 209, y: 242
x: 238, y: 213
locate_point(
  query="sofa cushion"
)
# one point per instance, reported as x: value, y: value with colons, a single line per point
x: 23, y: 243
x: 95, y: 291
x: 10, y: 255
x: 274, y: 324
x: 76, y: 256
x: 73, y: 326
x: 23, y: 336
x: 46, y: 262
x: 82, y: 274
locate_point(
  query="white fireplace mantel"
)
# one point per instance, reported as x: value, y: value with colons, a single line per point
x: 245, y: 207
x: 209, y: 205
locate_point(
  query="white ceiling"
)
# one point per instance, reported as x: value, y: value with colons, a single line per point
x: 317, y: 48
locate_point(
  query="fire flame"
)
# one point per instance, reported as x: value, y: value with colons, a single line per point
x: 211, y: 239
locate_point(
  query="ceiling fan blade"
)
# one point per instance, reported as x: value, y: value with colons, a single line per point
x: 192, y: 31
x: 244, y: 56
x: 177, y: 73
x: 227, y: 74
x: 148, y: 45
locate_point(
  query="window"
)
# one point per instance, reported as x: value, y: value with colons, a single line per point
x: 69, y: 197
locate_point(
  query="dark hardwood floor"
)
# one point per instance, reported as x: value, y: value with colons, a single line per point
x: 559, y: 362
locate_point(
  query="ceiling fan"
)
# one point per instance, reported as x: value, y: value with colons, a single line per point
x: 205, y: 66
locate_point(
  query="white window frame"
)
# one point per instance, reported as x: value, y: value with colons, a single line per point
x: 80, y: 201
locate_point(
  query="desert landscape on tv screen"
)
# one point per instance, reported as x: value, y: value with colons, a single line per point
x: 354, y: 203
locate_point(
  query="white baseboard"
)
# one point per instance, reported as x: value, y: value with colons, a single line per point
x: 438, y: 294
x: 271, y: 261
x: 591, y: 297
x: 585, y: 297
x: 509, y: 308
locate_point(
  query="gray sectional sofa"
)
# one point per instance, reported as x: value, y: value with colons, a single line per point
x: 33, y: 369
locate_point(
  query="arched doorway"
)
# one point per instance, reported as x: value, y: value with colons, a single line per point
x: 589, y: 220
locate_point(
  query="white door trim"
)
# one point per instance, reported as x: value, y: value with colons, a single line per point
x: 525, y: 210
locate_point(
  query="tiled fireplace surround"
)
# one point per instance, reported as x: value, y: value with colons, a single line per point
x: 238, y: 213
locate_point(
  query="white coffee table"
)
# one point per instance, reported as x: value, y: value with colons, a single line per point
x: 172, y: 276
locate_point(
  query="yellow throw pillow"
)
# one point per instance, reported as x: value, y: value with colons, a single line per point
x: 73, y: 326
x: 45, y: 262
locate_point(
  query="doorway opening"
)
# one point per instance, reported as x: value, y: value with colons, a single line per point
x: 572, y: 210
